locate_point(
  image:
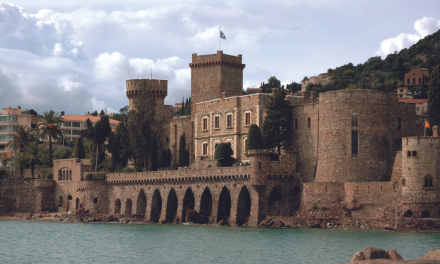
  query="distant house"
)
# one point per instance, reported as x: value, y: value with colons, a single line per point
x: 421, y: 105
x: 73, y: 124
x: 254, y: 90
x: 416, y: 77
x: 323, y: 79
x: 177, y: 107
x: 10, y: 118
x: 403, y: 93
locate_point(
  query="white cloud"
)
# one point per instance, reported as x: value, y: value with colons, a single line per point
x: 424, y: 27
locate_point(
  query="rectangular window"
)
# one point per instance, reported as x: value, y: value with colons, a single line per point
x: 205, y: 123
x: 217, y: 121
x: 417, y: 109
x: 401, y: 90
x: 420, y: 80
x: 398, y: 144
x: 408, y: 154
x: 205, y: 149
x: 354, y: 120
x: 245, y: 144
x: 414, y: 80
x: 354, y: 141
x: 408, y: 81
x: 8, y: 119
x: 248, y: 119
x: 229, y: 121
x: 75, y: 124
x: 414, y: 153
x: 95, y: 200
x: 2, y: 147
x: 76, y: 132
x: 67, y: 124
x: 33, y: 125
x: 67, y: 132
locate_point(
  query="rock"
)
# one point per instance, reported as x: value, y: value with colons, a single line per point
x: 374, y: 253
x: 278, y: 224
x: 393, y: 255
x: 40, y: 216
x: 163, y: 221
x: 432, y: 254
x: 194, y: 217
x: 220, y: 223
x: 358, y: 256
x: 176, y: 220
x: 315, y: 225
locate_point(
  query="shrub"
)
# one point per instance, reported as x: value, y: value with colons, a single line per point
x: 79, y: 152
x: 138, y: 169
x: 254, y: 138
x: 223, y: 153
x: 227, y: 162
x: 127, y: 169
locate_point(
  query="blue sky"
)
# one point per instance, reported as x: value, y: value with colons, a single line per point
x: 76, y: 55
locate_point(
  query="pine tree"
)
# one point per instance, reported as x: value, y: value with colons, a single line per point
x: 434, y: 97
x: 278, y: 124
x: 183, y: 153
x: 254, y: 138
x: 79, y: 152
x: 153, y: 164
x: 114, y: 147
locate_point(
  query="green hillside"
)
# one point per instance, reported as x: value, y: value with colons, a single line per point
x: 383, y: 75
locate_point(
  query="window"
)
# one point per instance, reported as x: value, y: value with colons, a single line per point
x: 8, y: 119
x: 414, y: 153
x: 6, y: 128
x: 33, y: 125
x: 401, y: 95
x: 420, y: 80
x: 95, y: 200
x: 398, y: 123
x: 205, y: 123
x: 309, y: 122
x: 248, y: 119
x: 417, y: 109
x: 428, y: 181
x: 205, y: 149
x: 414, y: 80
x: 67, y: 132
x: 76, y: 132
x: 75, y: 124
x: 229, y: 121
x: 398, y: 145
x: 67, y: 124
x: 408, y: 154
x: 354, y: 142
x: 245, y: 144
x: 296, y: 123
x: 217, y: 122
x: 401, y: 90
x: 5, y: 137
x: 408, y: 81
x: 2, y: 147
x: 354, y: 119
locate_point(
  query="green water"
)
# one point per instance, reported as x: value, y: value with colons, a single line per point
x: 57, y: 242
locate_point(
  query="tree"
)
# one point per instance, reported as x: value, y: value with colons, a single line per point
x: 434, y: 97
x: 223, y: 153
x: 102, y: 112
x: 277, y: 126
x: 62, y: 152
x: 50, y: 130
x: 254, y: 138
x: 32, y: 151
x: 153, y: 164
x: 19, y: 160
x: 98, y: 134
x: 183, y: 108
x: 78, y: 152
x: 123, y: 114
x: 400, y: 68
x: 183, y: 153
x: 33, y: 112
x: 21, y: 137
x: 272, y: 82
x: 123, y: 138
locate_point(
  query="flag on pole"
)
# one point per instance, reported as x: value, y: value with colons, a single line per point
x: 426, y: 124
x: 222, y: 35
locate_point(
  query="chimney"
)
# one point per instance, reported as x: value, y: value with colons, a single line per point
x: 274, y: 91
x: 435, y: 131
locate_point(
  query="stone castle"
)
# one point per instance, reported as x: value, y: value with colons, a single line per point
x: 356, y: 154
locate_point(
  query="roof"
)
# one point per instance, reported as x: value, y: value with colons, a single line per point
x: 254, y: 89
x: 416, y: 101
x: 83, y: 118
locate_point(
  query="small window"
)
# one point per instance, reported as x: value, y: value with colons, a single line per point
x: 2, y: 147
x: 259, y: 165
x: 398, y: 144
x: 296, y: 123
x: 95, y: 200
x: 248, y: 119
x: 229, y: 121
x: 205, y: 149
x: 309, y: 122
x: 398, y: 123
x: 414, y: 153
x: 217, y: 122
x: 354, y: 141
x: 428, y: 181
x: 401, y: 90
x: 420, y: 80
x: 403, y: 182
x: 245, y: 144
x: 33, y: 125
x: 205, y: 123
x: 75, y: 124
x: 408, y: 81
x: 401, y: 95
x: 414, y: 80
x: 408, y: 154
x: 417, y: 109
x: 354, y: 119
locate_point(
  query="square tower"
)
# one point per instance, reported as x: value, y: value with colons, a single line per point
x: 213, y: 74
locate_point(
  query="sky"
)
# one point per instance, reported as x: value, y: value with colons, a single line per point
x: 75, y: 56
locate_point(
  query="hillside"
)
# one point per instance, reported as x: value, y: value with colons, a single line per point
x: 384, y: 75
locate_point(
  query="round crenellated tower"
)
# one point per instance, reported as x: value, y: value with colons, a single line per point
x: 157, y: 88
x: 358, y: 131
x: 260, y: 166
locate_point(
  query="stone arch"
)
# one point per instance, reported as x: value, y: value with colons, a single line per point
x: 77, y: 203
x: 117, y: 206
x: 425, y: 214
x: 408, y: 213
x: 188, y: 203
x: 243, y: 206
x: 206, y: 204
x: 69, y: 200
x: 128, y: 207
x: 276, y: 201
x: 156, y: 206
x: 224, y: 205
x: 171, y: 212
x: 141, y: 204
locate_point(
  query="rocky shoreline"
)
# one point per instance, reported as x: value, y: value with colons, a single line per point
x: 379, y: 256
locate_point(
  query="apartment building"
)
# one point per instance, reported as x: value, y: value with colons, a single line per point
x: 9, y: 118
x: 73, y: 124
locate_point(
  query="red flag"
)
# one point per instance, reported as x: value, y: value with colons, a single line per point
x: 427, y: 124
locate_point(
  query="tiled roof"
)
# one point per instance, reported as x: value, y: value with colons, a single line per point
x: 416, y: 101
x: 83, y: 118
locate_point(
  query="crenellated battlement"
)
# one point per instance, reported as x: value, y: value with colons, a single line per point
x: 218, y: 59
x: 158, y: 88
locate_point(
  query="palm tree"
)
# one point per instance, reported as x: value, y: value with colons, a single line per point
x: 21, y: 137
x: 32, y: 152
x: 19, y: 160
x: 50, y: 129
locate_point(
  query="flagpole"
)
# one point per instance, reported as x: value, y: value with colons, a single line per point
x: 219, y: 38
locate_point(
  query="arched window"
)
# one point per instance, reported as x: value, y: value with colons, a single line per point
x: 296, y: 123
x: 428, y: 181
x: 398, y: 123
x: 309, y: 122
x: 354, y: 119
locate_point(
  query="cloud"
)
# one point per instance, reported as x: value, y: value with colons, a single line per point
x: 424, y: 27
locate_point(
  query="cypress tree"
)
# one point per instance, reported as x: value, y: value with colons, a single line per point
x: 278, y: 123
x: 183, y: 153
x: 182, y: 112
x: 254, y: 138
x: 153, y: 163
x: 223, y: 153
x: 102, y: 112
x: 79, y: 152
x: 434, y: 97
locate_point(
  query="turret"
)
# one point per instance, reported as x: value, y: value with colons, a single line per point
x: 260, y: 166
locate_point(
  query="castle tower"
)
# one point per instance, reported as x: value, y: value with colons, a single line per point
x: 158, y: 88
x: 213, y: 74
